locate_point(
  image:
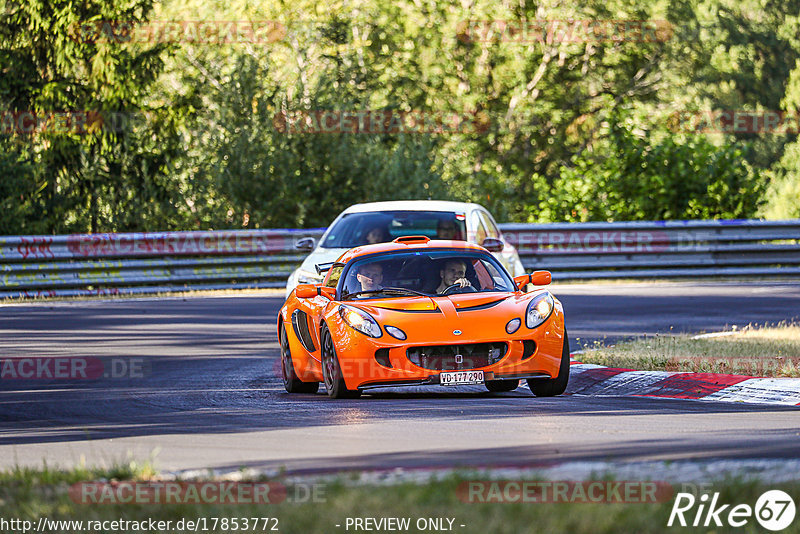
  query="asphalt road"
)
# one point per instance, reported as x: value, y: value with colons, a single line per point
x: 208, y: 394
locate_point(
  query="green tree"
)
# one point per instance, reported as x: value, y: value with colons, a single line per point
x: 641, y: 179
x: 70, y: 180
x: 575, y: 129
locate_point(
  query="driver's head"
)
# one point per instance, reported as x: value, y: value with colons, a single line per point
x: 452, y: 271
x: 378, y: 234
x: 370, y: 276
x: 446, y: 229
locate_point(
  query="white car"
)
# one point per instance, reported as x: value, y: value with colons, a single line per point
x: 378, y: 222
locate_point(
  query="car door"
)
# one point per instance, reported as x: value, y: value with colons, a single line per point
x: 306, y: 319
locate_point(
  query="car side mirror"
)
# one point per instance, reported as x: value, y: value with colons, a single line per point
x: 537, y: 278
x: 541, y: 278
x: 492, y: 244
x: 306, y: 291
x: 309, y: 291
x: 306, y: 244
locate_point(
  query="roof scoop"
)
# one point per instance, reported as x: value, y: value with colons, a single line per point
x: 411, y: 239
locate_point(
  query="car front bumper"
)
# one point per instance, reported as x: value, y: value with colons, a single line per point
x: 361, y: 368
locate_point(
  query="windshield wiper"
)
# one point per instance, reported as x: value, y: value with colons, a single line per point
x: 387, y: 290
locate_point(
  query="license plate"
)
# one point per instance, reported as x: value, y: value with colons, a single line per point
x: 459, y: 378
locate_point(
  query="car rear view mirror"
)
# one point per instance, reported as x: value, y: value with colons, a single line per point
x: 492, y: 244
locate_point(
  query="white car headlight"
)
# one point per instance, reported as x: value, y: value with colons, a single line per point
x: 306, y: 277
x: 539, y: 309
x: 361, y: 321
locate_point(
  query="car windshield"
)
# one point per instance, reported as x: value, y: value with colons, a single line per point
x: 356, y: 229
x: 428, y: 273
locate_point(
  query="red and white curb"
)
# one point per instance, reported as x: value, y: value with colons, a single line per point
x: 599, y: 381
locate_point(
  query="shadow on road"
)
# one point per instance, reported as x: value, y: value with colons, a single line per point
x: 232, y: 395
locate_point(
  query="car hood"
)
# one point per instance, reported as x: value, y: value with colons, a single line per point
x: 460, y: 302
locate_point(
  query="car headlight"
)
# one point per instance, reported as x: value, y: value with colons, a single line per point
x: 306, y: 277
x: 360, y: 320
x: 539, y: 309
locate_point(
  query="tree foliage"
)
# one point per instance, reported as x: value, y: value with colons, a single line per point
x: 639, y: 179
x: 68, y: 180
x: 571, y: 128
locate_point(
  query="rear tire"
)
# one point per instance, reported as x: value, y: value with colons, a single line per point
x: 550, y: 387
x: 291, y: 381
x: 332, y: 370
x: 501, y: 386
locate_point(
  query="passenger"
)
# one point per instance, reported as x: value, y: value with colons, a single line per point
x: 453, y: 273
x: 370, y: 276
x: 447, y: 229
x: 378, y: 234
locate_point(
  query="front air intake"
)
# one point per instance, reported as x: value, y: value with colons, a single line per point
x: 382, y: 357
x: 457, y: 357
x: 528, y: 348
x: 300, y: 326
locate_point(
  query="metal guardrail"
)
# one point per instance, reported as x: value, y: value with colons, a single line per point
x: 139, y: 263
x: 661, y: 249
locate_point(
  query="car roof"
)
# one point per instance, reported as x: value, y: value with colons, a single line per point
x: 394, y: 246
x: 413, y: 205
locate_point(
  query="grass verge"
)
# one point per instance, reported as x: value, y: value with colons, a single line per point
x: 27, y: 495
x: 768, y: 351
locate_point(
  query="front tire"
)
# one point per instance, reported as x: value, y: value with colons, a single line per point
x: 501, y: 386
x: 550, y: 387
x: 291, y: 381
x: 332, y: 370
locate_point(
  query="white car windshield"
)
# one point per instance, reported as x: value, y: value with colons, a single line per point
x: 424, y: 273
x: 356, y: 229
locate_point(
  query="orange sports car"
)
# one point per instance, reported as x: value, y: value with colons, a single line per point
x: 417, y: 312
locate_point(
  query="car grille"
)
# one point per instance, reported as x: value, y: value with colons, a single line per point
x: 457, y: 357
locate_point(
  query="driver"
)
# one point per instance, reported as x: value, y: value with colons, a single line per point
x: 446, y: 229
x: 453, y: 273
x: 370, y: 276
x: 378, y: 234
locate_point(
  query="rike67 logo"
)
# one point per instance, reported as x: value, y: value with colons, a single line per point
x: 774, y: 510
